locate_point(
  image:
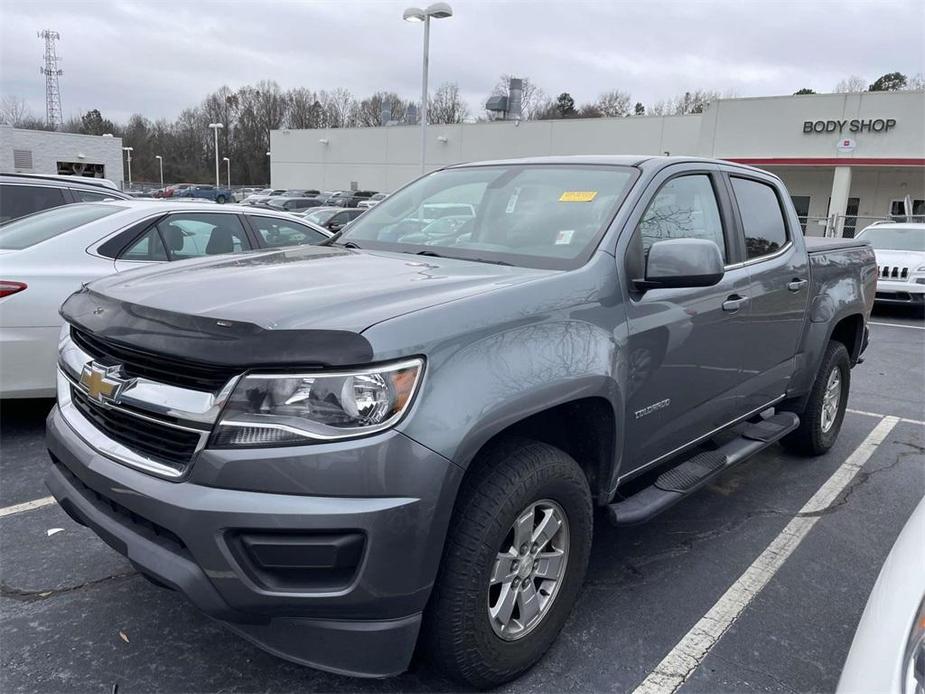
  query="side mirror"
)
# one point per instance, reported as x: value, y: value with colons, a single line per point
x: 682, y: 263
x: 334, y: 227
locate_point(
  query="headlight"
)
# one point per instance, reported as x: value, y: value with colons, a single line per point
x: 920, y: 268
x: 291, y: 409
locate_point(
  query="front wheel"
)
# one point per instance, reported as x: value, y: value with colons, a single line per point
x: 822, y: 415
x: 220, y: 199
x: 514, y: 561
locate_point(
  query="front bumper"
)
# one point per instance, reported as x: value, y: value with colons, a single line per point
x: 360, y: 619
x: 904, y: 293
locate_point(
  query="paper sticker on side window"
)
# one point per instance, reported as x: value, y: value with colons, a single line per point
x: 578, y: 196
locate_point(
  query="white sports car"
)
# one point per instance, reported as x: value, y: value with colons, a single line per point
x: 900, y: 251
x: 46, y: 256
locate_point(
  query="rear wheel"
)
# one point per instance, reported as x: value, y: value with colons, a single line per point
x: 822, y: 415
x: 512, y: 568
x: 220, y: 199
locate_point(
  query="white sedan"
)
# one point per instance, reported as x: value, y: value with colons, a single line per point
x: 46, y: 256
x: 900, y: 251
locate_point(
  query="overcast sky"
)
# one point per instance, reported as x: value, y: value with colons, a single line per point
x: 156, y: 57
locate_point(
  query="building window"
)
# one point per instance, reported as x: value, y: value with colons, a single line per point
x: 898, y: 211
x: 80, y: 168
x: 22, y: 159
x: 801, y: 204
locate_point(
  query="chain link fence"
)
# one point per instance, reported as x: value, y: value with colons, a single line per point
x: 847, y: 226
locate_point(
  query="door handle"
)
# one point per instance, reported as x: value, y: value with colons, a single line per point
x: 734, y: 303
x: 796, y: 285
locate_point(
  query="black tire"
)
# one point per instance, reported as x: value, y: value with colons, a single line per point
x: 457, y: 635
x: 220, y: 199
x: 810, y: 438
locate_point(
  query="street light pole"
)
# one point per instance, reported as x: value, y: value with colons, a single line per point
x: 439, y: 10
x: 129, y: 151
x: 215, y: 128
x: 269, y: 166
x: 160, y: 161
x: 228, y: 169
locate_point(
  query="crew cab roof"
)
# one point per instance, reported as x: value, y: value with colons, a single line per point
x: 638, y: 160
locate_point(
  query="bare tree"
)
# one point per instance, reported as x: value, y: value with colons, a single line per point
x: 13, y: 110
x: 687, y: 103
x: 613, y: 104
x: 369, y: 112
x: 534, y: 101
x: 338, y: 107
x: 851, y: 84
x: 446, y: 106
x: 916, y: 82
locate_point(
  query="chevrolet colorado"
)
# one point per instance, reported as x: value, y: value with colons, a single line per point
x: 397, y: 439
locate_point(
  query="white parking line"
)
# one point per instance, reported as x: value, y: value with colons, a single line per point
x: 879, y: 415
x: 27, y: 506
x: 897, y: 325
x: 684, y: 658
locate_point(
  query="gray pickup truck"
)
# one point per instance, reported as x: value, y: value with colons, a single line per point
x: 397, y: 440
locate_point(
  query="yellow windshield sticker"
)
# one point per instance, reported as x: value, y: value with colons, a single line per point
x: 578, y: 196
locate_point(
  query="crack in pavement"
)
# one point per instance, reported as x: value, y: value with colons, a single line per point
x: 38, y: 595
x: 861, y: 479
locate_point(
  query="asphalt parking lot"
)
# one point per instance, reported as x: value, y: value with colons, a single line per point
x: 77, y: 617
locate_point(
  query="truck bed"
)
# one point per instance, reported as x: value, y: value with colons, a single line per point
x: 818, y: 244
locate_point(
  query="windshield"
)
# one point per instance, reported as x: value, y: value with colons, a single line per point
x: 545, y: 216
x: 41, y: 226
x: 895, y: 238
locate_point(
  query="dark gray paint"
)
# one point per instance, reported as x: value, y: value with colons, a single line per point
x: 501, y: 343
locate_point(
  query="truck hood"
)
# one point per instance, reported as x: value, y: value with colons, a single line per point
x: 308, y: 287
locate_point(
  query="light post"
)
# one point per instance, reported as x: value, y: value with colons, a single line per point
x: 129, y: 150
x: 269, y: 163
x: 215, y: 128
x: 228, y: 170
x: 439, y: 10
x: 160, y: 162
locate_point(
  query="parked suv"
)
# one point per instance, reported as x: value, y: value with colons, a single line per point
x: 22, y: 194
x: 345, y: 450
x: 205, y: 192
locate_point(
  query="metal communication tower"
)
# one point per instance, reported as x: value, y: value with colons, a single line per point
x: 51, y: 71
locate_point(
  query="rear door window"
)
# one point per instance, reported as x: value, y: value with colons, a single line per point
x: 147, y: 248
x: 193, y: 235
x: 91, y: 196
x: 281, y: 232
x: 762, y: 217
x: 18, y: 201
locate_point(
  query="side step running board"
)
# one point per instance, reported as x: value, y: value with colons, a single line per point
x: 686, y: 478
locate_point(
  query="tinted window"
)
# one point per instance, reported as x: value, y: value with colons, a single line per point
x: 684, y: 208
x: 149, y: 247
x: 281, y: 232
x: 191, y: 235
x: 18, y: 201
x: 762, y: 219
x: 41, y: 226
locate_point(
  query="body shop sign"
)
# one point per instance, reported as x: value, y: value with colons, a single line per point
x: 871, y: 125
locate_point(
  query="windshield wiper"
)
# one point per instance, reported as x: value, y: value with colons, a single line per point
x: 434, y: 254
x: 349, y: 244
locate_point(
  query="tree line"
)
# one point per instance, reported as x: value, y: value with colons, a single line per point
x: 252, y: 111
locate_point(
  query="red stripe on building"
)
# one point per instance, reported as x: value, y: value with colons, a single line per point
x: 830, y: 161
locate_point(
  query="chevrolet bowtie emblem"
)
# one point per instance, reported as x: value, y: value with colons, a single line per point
x: 103, y: 383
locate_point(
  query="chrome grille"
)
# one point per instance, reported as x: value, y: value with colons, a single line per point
x: 147, y: 424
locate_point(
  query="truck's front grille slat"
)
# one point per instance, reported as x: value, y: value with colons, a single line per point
x: 137, y: 363
x: 161, y: 442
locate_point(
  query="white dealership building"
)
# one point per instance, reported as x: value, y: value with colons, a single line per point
x: 847, y: 158
x: 50, y: 152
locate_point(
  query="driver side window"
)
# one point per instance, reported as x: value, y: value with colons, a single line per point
x: 684, y: 208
